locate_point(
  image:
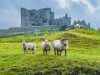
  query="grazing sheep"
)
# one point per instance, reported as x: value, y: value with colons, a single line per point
x: 60, y: 45
x: 28, y: 46
x: 46, y: 46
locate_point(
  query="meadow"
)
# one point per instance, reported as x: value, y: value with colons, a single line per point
x: 83, y: 55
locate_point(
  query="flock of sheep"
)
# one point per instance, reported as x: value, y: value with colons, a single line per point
x: 58, y: 46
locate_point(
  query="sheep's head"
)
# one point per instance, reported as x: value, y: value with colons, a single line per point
x: 63, y: 41
x: 47, y: 44
x: 47, y: 47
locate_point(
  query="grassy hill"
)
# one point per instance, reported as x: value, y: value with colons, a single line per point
x: 83, y: 55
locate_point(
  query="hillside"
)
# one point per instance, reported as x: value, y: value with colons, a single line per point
x: 83, y: 55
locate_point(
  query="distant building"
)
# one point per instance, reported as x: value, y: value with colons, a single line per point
x: 42, y: 17
x: 80, y: 24
x: 37, y: 20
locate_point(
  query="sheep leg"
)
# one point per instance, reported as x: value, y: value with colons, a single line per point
x: 55, y: 51
x: 65, y: 52
x: 46, y: 52
x: 24, y: 50
x: 60, y: 53
x: 27, y: 49
x: 49, y: 51
x: 43, y: 52
x: 33, y: 50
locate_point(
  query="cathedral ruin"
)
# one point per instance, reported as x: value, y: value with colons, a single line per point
x: 42, y: 17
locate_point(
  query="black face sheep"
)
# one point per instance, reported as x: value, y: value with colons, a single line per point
x: 46, y: 46
x: 28, y: 46
x: 60, y: 45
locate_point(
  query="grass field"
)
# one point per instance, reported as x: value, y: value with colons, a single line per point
x: 83, y: 55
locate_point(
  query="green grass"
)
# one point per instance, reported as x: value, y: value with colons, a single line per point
x: 83, y: 55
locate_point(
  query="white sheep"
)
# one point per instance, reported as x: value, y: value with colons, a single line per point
x: 46, y: 46
x: 60, y: 45
x: 28, y: 46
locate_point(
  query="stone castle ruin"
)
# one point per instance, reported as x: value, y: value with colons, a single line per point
x: 37, y: 20
x: 42, y: 17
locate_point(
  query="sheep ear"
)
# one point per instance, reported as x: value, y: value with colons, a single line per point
x: 64, y: 38
x: 61, y: 40
x: 42, y: 39
x: 49, y: 40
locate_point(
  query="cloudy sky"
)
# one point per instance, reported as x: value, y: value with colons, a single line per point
x: 88, y: 10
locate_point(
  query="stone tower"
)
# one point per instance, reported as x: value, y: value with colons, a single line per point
x: 25, y: 22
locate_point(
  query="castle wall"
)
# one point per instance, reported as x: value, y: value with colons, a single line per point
x: 41, y: 17
x: 36, y: 17
x: 20, y: 30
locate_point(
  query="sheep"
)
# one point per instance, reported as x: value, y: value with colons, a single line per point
x: 46, y: 46
x: 60, y: 45
x: 28, y: 46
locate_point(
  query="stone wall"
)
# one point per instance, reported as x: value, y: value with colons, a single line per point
x: 20, y: 30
